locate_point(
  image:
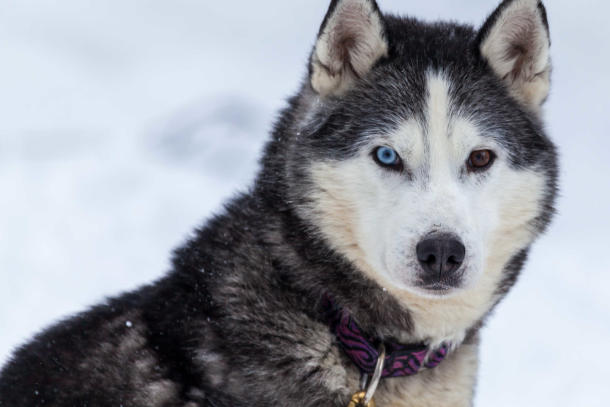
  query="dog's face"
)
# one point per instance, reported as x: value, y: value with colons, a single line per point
x: 429, y: 200
x: 419, y: 153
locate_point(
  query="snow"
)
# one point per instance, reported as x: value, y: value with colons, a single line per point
x: 127, y: 123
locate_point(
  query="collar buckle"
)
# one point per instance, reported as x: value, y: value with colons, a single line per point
x: 365, y: 398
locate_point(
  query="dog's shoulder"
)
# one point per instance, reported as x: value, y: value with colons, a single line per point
x: 171, y: 342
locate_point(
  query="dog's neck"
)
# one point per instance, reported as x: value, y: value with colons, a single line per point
x: 399, y: 359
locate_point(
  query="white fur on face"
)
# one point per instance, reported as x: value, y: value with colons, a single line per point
x: 376, y: 218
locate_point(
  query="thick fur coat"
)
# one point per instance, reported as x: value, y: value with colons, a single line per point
x: 237, y: 320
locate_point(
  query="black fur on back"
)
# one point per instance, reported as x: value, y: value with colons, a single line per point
x: 236, y: 321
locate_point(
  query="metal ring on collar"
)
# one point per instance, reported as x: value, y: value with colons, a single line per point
x: 374, y: 383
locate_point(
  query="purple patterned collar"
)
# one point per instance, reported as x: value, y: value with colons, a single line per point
x: 400, y: 360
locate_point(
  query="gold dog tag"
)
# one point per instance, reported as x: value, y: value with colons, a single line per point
x: 358, y: 400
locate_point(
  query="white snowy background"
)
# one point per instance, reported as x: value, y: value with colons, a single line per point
x: 125, y: 123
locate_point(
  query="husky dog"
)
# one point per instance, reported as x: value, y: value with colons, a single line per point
x: 395, y: 206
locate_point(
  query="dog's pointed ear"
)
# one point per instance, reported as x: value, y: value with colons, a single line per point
x: 515, y: 41
x: 351, y: 40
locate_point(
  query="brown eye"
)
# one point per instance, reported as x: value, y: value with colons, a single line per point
x: 480, y: 160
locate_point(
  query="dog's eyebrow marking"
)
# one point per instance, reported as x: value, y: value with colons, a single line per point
x: 408, y: 140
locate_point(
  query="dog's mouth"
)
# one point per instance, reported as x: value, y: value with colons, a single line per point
x: 441, y: 284
x: 440, y: 287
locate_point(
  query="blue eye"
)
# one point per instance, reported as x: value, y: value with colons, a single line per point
x: 387, y: 157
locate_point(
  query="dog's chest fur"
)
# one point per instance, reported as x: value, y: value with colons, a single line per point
x: 449, y: 385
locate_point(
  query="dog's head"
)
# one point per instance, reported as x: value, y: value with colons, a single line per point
x: 416, y: 150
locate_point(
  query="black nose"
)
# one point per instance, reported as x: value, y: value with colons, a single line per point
x: 441, y: 254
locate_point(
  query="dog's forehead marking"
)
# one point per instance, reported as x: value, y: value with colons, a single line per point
x: 437, y: 119
x: 435, y: 143
x: 437, y: 109
x: 438, y: 142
